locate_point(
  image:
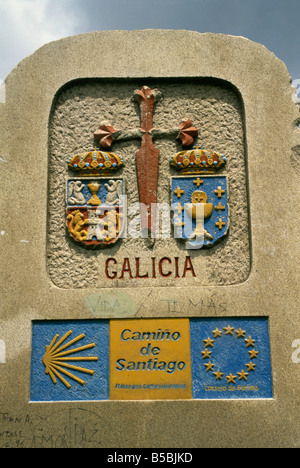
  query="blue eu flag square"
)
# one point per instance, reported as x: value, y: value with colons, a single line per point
x: 231, y: 358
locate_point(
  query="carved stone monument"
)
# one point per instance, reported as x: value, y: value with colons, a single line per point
x: 149, y: 244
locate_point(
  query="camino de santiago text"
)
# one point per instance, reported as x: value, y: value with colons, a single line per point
x: 149, y: 350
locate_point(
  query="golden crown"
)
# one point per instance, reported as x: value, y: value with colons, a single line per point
x: 198, y: 161
x: 95, y: 162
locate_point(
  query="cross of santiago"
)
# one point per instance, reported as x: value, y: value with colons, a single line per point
x: 147, y: 157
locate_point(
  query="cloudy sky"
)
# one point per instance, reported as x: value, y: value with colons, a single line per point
x: 25, y: 25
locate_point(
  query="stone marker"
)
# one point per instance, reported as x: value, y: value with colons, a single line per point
x: 150, y: 244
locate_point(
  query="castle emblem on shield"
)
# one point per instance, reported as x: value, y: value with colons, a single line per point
x: 94, y: 199
x: 199, y: 197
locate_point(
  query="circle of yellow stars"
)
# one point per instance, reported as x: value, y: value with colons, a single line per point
x: 240, y: 334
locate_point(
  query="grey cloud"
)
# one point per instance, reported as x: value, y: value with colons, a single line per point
x: 274, y: 23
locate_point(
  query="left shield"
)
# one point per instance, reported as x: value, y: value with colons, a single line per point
x: 95, y: 210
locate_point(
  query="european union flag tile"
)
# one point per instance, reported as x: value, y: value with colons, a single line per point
x: 70, y: 360
x: 230, y: 358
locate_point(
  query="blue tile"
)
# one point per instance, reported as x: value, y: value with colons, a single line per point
x: 231, y: 355
x: 96, y: 386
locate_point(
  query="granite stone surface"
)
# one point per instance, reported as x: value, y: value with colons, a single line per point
x: 239, y: 95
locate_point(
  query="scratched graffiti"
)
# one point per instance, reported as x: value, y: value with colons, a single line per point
x: 70, y: 428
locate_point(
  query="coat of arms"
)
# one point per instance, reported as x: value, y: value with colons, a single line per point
x: 95, y: 201
x: 199, y: 197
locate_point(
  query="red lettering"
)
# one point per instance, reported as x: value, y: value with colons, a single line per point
x: 126, y: 268
x: 164, y: 259
x: 190, y: 268
x: 163, y: 269
x: 153, y: 267
x: 137, y: 267
x: 176, y: 268
x: 114, y: 273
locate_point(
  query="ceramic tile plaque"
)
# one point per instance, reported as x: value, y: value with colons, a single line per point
x: 231, y: 358
x: 70, y: 361
x: 151, y: 359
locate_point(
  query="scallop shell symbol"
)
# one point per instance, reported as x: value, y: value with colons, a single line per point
x: 56, y: 359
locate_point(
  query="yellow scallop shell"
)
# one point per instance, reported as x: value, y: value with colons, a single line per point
x: 57, y: 357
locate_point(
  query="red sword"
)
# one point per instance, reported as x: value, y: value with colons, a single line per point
x: 147, y: 157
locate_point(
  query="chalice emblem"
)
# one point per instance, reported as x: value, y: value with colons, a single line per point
x: 199, y: 200
x: 94, y: 189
